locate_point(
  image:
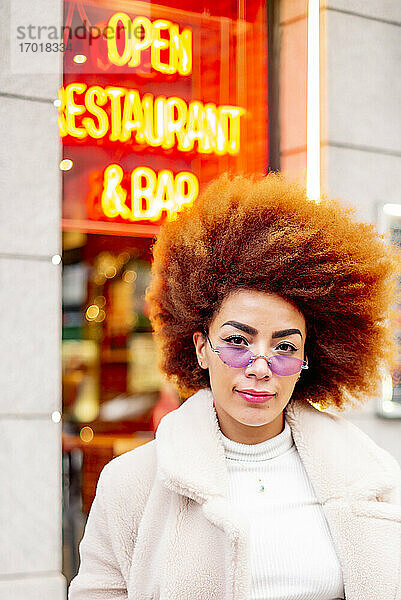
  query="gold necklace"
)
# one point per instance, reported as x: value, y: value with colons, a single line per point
x: 261, y: 485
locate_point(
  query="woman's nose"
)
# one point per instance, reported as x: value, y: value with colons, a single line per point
x: 259, y: 367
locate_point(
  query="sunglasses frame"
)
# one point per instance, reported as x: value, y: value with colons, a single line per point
x: 254, y: 357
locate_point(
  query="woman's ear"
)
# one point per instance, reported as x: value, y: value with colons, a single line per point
x: 199, y: 341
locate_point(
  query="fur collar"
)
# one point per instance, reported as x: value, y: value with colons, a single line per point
x: 341, y: 460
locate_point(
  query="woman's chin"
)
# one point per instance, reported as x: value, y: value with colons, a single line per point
x: 254, y: 420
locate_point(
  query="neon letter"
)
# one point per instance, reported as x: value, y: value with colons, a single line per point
x: 188, y: 180
x: 115, y: 111
x: 195, y: 125
x: 174, y: 123
x: 160, y: 44
x: 62, y: 125
x: 99, y: 113
x: 132, y: 115
x: 113, y: 196
x: 230, y: 123
x: 165, y: 194
x: 181, y: 50
x: 114, y: 56
x: 140, y: 44
x: 153, y: 113
x: 141, y: 192
x: 74, y: 109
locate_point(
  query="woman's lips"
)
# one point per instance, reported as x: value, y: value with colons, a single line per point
x: 255, y: 399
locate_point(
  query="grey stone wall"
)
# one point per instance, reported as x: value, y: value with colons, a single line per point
x: 361, y: 141
x: 30, y: 318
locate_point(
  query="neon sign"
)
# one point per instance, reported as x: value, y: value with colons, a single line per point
x: 140, y: 34
x: 151, y: 193
x: 126, y: 116
x: 158, y: 122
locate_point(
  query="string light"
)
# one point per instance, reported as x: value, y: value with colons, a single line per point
x: 79, y: 59
x: 56, y: 416
x: 86, y: 434
x: 66, y: 164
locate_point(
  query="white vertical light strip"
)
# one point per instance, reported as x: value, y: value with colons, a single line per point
x: 313, y: 104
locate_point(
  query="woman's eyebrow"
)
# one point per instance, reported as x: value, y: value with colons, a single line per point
x: 242, y: 327
x: 285, y: 332
x: 253, y: 331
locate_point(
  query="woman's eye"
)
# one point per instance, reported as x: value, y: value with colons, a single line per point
x: 236, y: 339
x: 288, y: 347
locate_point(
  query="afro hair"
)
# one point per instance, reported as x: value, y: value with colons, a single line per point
x: 262, y: 233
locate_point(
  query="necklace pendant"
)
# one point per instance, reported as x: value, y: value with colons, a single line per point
x: 261, y: 486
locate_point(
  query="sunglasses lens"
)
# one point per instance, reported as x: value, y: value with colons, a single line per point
x: 234, y: 357
x: 240, y: 357
x: 285, y: 365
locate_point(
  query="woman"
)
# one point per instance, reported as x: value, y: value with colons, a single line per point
x: 268, y: 310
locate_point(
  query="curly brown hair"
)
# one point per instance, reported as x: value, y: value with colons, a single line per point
x: 262, y: 233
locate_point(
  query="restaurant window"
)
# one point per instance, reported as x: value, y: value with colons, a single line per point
x: 157, y: 99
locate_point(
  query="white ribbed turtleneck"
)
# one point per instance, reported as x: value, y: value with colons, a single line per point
x: 292, y: 556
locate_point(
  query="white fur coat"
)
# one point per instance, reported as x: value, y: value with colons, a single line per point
x: 161, y: 528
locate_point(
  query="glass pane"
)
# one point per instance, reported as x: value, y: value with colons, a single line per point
x: 154, y: 104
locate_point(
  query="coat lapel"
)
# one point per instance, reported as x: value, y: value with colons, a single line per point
x: 357, y: 486
x: 191, y: 462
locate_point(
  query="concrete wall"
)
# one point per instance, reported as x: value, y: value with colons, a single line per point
x: 30, y: 320
x: 361, y: 124
x: 361, y: 141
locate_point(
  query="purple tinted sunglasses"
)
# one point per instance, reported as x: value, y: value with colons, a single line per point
x: 237, y: 357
